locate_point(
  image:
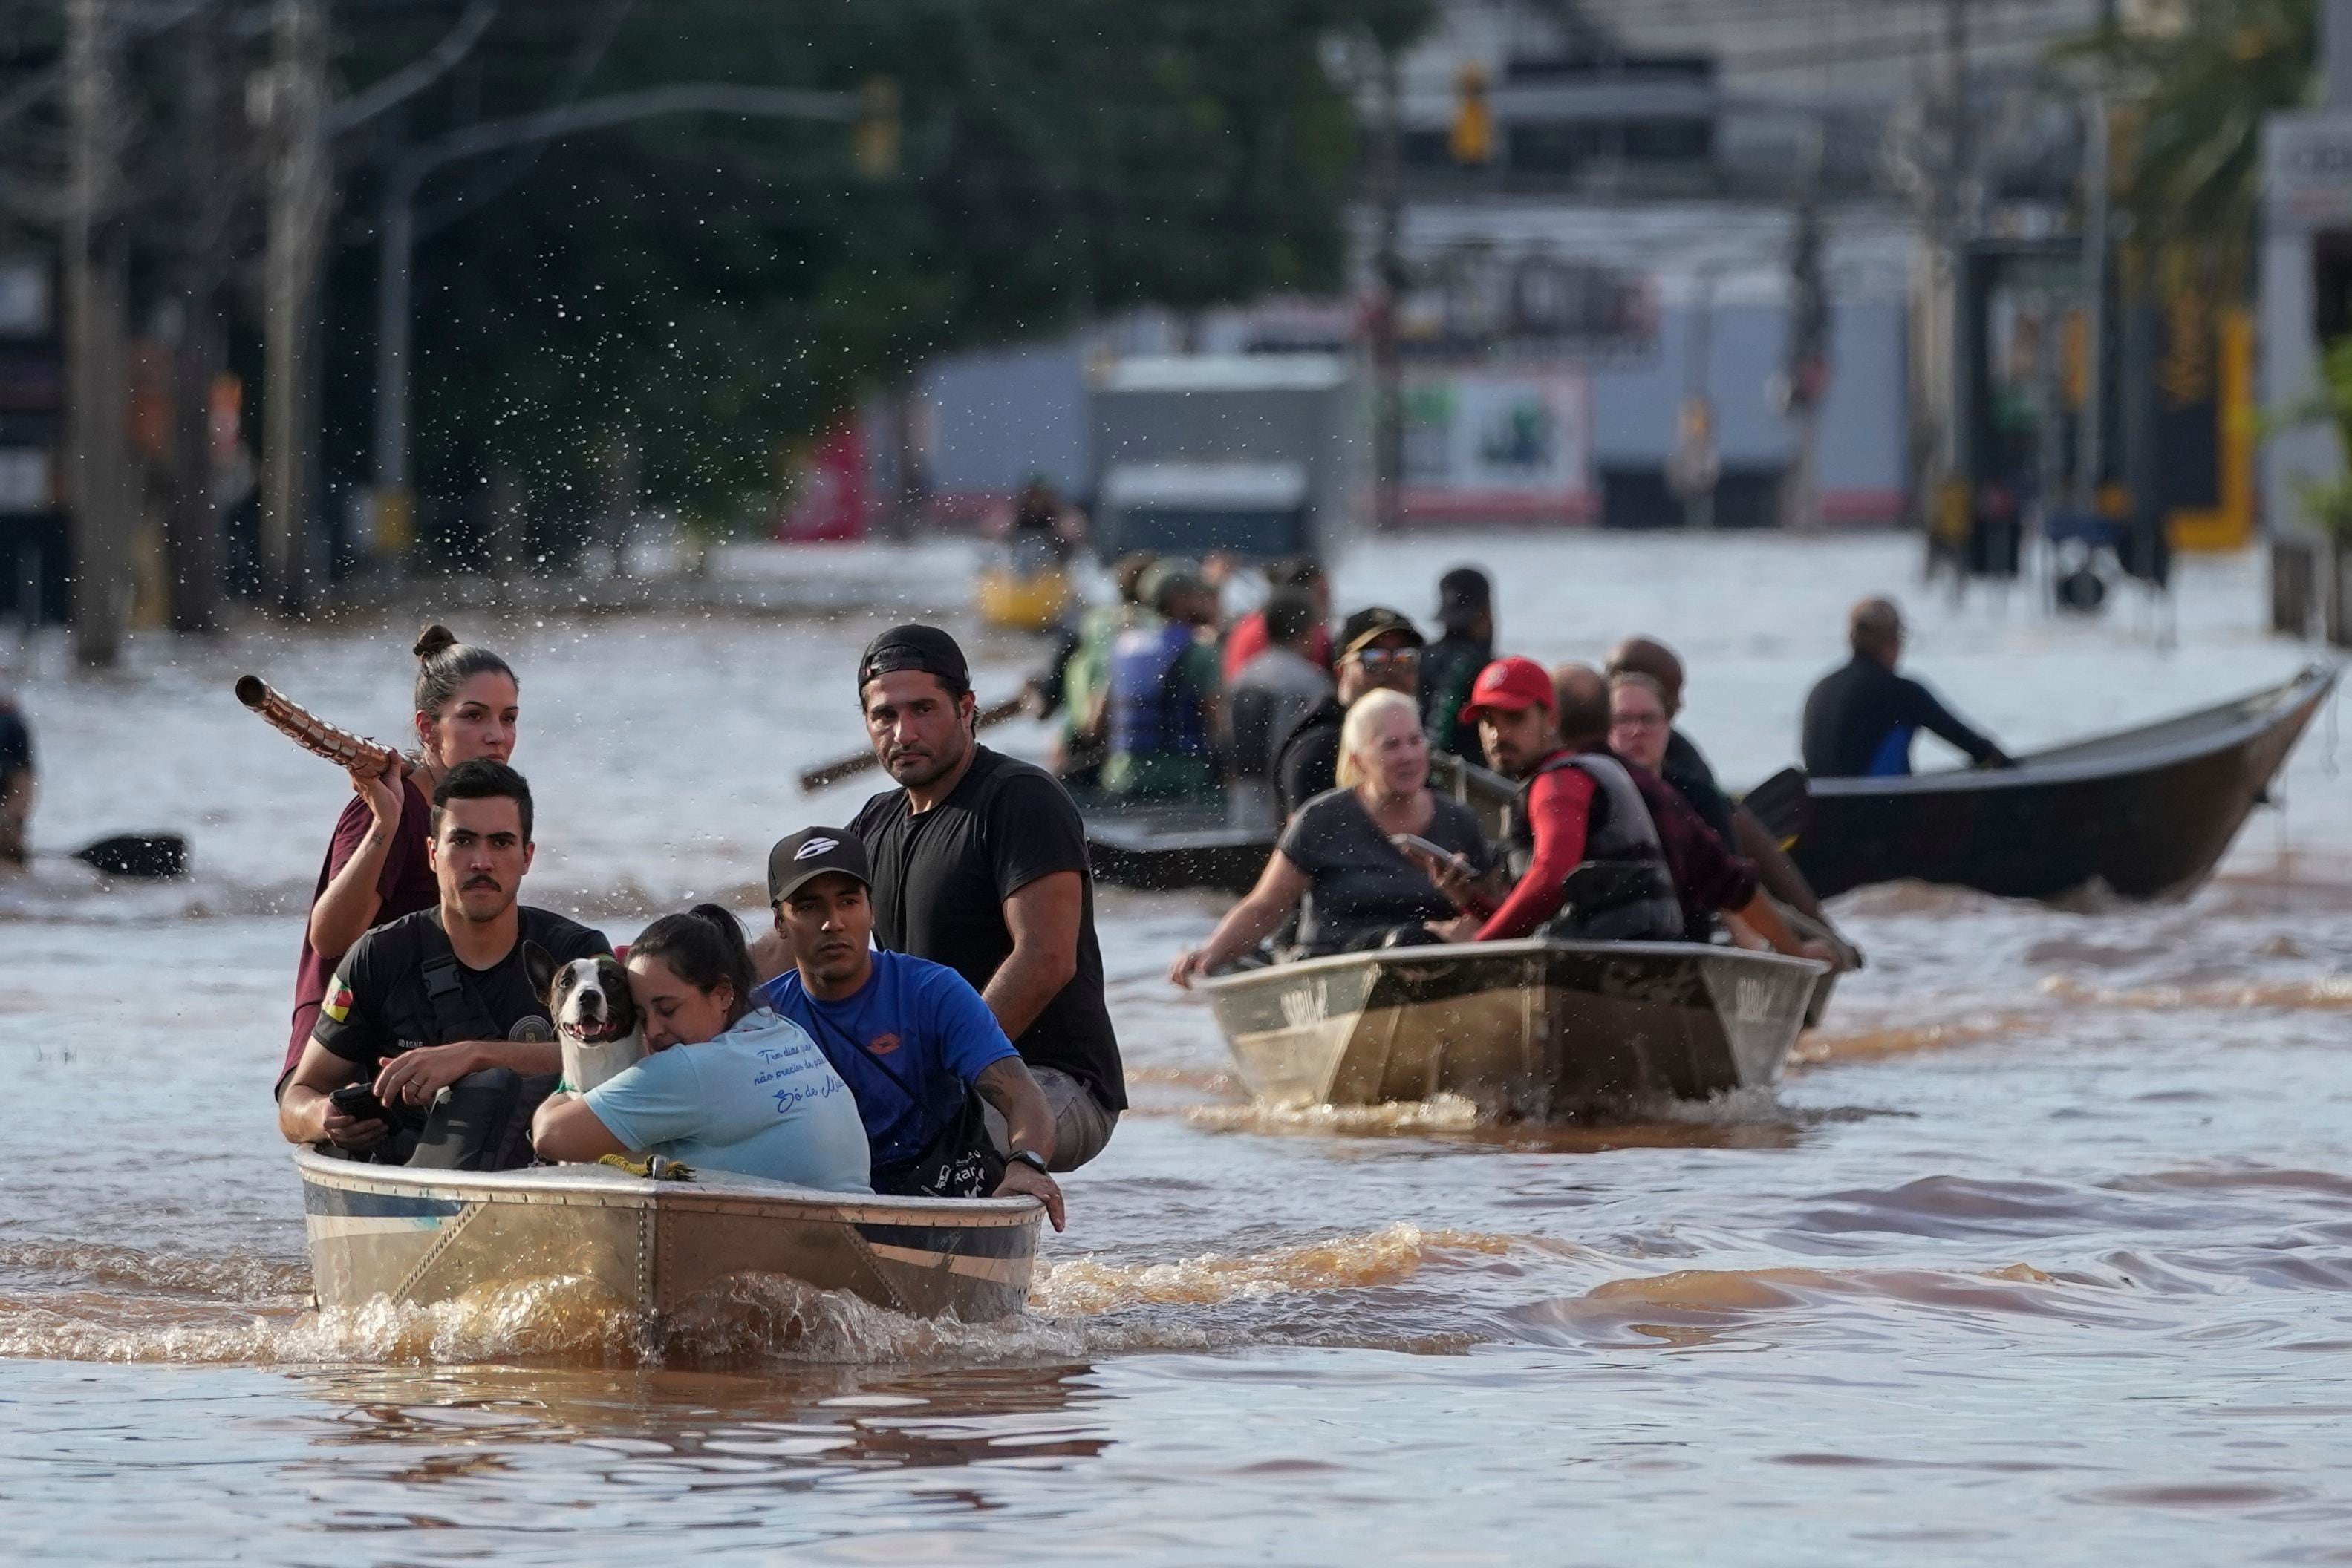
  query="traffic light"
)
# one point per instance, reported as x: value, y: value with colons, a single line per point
x: 875, y: 143
x: 1472, y: 140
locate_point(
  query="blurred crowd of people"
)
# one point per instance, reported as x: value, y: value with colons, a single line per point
x: 1162, y: 698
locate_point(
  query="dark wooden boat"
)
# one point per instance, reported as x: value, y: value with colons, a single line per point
x: 1533, y: 1028
x: 2145, y: 813
x: 1163, y: 848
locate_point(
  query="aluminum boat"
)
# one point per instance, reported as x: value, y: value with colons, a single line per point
x: 422, y: 1236
x: 1533, y: 1028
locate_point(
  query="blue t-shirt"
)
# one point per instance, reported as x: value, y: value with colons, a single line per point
x: 759, y: 1100
x: 909, y: 1044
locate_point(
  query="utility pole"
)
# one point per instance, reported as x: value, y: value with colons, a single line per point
x: 292, y: 103
x: 97, y: 414
x: 1807, y: 372
x: 1388, y: 364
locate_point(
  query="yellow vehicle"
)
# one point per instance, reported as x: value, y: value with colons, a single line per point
x: 1023, y: 589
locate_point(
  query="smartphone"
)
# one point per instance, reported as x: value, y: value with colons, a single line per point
x: 1419, y: 845
x: 357, y: 1101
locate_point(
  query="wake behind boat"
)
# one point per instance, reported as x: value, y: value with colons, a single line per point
x: 425, y: 1236
x: 1535, y: 1028
x: 2145, y: 813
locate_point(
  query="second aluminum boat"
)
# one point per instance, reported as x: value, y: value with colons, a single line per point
x: 1534, y: 1028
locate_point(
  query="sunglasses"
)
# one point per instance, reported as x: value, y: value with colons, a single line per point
x: 1375, y: 660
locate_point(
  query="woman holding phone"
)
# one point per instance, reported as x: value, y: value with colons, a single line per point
x: 465, y: 708
x: 1342, y: 862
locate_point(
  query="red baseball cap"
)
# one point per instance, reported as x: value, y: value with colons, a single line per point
x: 1510, y: 685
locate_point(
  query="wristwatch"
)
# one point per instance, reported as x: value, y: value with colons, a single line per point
x: 1030, y: 1157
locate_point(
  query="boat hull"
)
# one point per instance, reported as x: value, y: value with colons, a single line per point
x: 423, y: 1237
x: 2147, y: 814
x: 1538, y: 1029
x: 1166, y: 850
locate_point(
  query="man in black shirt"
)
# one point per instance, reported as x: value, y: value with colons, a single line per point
x: 979, y: 863
x: 1860, y: 718
x: 440, y: 998
x: 1378, y: 647
x: 1450, y: 666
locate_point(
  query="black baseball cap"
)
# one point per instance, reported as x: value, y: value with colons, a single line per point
x: 812, y: 853
x: 926, y: 649
x: 1368, y: 626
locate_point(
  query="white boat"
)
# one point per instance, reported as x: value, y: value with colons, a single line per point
x: 1534, y: 1028
x: 427, y: 1235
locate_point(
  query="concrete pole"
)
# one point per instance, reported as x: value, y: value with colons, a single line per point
x: 299, y: 196
x: 97, y: 455
x: 192, y: 526
x: 1388, y: 364
x: 394, y: 341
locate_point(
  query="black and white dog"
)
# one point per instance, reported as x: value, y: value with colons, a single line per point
x: 595, y: 1016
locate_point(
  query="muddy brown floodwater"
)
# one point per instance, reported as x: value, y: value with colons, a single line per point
x: 2043, y: 1251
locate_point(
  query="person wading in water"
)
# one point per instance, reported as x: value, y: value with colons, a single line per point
x: 376, y: 870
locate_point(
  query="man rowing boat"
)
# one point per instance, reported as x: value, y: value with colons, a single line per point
x: 1860, y: 718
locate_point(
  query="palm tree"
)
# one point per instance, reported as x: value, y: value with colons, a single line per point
x: 2197, y: 78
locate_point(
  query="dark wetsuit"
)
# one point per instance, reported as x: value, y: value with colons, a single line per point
x: 1860, y: 720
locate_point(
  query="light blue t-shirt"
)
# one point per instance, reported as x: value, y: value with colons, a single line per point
x: 759, y: 1100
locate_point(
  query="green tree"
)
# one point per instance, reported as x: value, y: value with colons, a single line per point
x: 2198, y: 84
x: 715, y: 287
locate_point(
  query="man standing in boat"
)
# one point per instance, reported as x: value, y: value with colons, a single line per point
x: 1450, y: 666
x: 440, y: 1000
x: 1379, y: 647
x: 1585, y: 853
x: 1860, y: 718
x: 979, y: 863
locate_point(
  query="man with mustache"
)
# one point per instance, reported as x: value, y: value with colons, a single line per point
x: 979, y: 863
x: 440, y: 1000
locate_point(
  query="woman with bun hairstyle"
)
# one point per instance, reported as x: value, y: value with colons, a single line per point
x: 730, y: 1085
x: 375, y: 868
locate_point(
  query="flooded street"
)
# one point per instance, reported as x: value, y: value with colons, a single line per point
x: 2043, y: 1251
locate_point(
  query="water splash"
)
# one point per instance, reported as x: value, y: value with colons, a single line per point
x: 1087, y: 1286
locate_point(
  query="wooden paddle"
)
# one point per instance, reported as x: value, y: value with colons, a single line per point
x: 141, y: 855
x: 818, y: 778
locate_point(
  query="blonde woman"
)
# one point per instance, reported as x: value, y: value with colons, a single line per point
x: 1337, y: 862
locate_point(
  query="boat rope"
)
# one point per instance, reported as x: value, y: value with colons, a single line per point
x: 653, y: 1167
